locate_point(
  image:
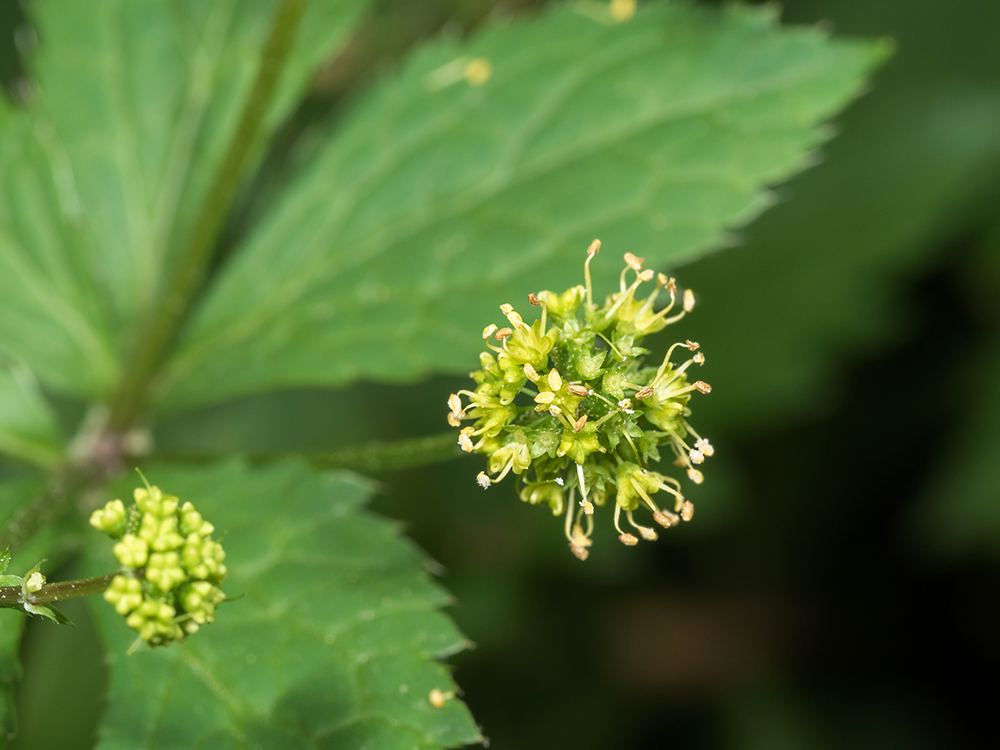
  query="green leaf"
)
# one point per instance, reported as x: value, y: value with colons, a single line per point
x: 818, y: 282
x: 13, y: 496
x: 48, y: 611
x: 28, y: 427
x: 138, y: 100
x: 333, y: 643
x: 51, y: 316
x: 435, y: 204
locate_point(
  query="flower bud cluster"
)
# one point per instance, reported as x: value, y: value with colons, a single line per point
x: 569, y: 405
x: 171, y: 567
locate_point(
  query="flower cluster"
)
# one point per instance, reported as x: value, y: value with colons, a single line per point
x: 568, y: 405
x: 171, y: 567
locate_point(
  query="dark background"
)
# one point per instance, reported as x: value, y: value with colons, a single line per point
x: 839, y: 584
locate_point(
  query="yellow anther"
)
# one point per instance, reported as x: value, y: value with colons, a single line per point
x: 633, y: 262
x: 478, y: 71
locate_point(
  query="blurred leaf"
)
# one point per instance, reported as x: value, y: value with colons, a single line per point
x: 27, y: 426
x: 332, y: 645
x: 137, y: 103
x: 438, y: 199
x: 14, y: 495
x: 817, y: 281
x: 51, y: 316
x: 959, y: 513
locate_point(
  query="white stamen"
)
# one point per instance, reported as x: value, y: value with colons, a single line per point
x: 688, y: 300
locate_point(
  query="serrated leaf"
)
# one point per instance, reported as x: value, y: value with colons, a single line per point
x: 28, y: 427
x: 818, y: 280
x: 433, y: 204
x: 137, y: 101
x: 334, y: 643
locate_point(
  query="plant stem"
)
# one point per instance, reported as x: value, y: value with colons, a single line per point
x: 48, y: 507
x: 162, y: 322
x: 57, y: 592
x: 376, y: 457
x: 391, y: 455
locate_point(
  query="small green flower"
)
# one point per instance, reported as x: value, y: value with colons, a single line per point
x: 568, y: 404
x: 110, y: 519
x: 124, y: 594
x: 156, y: 622
x: 171, y: 567
x: 131, y: 551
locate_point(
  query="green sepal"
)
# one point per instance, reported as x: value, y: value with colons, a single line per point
x: 49, y: 611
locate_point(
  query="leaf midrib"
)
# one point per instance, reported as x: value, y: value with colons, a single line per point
x: 284, y: 296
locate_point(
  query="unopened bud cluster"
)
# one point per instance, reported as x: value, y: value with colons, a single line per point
x: 569, y: 405
x: 171, y: 567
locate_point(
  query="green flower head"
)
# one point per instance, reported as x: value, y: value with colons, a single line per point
x: 570, y: 407
x: 168, y: 586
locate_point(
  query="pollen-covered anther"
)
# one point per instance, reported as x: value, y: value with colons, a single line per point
x: 578, y: 424
x: 696, y: 456
x: 662, y: 279
x: 695, y: 476
x: 666, y: 520
x: 545, y: 397
x: 483, y: 479
x: 489, y: 330
x: 588, y: 507
x: 554, y: 410
x: 625, y: 405
x: 594, y: 248
x: 633, y: 262
x: 580, y: 552
x: 503, y: 334
x: 628, y: 540
x: 465, y: 441
x: 533, y: 300
x: 555, y: 379
x: 699, y: 358
x: 506, y: 309
x: 702, y: 386
x: 688, y: 300
x: 457, y: 414
x: 438, y: 698
x: 671, y: 285
x: 515, y: 320
x: 691, y: 345
x: 687, y: 510
x: 644, y: 392
x: 578, y: 390
x: 530, y: 373
x: 647, y: 533
x: 646, y: 275
x: 705, y: 447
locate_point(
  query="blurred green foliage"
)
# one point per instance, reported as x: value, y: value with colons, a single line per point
x: 838, y: 587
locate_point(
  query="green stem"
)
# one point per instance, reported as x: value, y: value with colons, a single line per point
x: 160, y: 326
x: 392, y: 455
x: 57, y: 592
x: 378, y: 457
x: 56, y: 500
